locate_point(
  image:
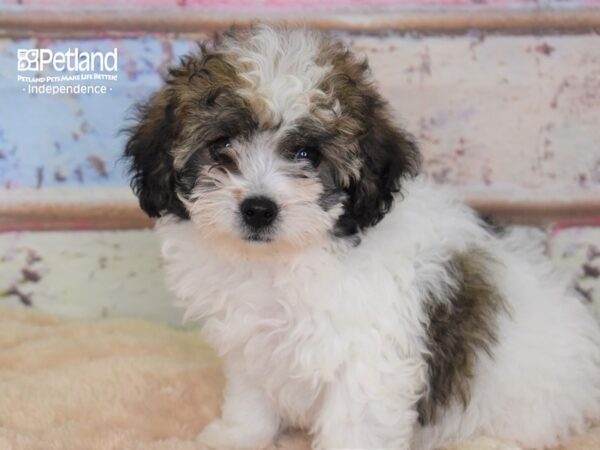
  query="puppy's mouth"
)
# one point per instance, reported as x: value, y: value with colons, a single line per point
x: 258, y: 238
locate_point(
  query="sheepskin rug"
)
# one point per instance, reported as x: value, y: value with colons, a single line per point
x: 120, y: 384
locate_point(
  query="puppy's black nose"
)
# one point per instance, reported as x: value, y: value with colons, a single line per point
x: 258, y: 212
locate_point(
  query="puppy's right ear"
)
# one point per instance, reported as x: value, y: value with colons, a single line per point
x: 148, y: 152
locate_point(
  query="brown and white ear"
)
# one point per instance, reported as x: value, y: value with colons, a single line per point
x: 148, y: 152
x: 388, y: 156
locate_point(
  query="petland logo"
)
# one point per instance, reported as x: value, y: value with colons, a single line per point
x: 37, y: 60
x: 72, y: 72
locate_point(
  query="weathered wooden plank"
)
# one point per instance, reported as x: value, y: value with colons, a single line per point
x: 498, y: 113
x: 513, y: 121
x: 124, y: 214
x: 61, y: 216
x: 86, y: 274
x: 575, y: 252
x: 89, y: 208
x: 75, y: 23
x: 258, y: 5
x: 508, y: 112
x: 75, y: 140
x: 100, y: 274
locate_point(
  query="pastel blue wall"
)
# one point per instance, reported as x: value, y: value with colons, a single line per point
x: 68, y: 139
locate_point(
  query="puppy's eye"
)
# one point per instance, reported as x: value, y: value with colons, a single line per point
x: 217, y: 150
x: 222, y: 142
x: 310, y: 154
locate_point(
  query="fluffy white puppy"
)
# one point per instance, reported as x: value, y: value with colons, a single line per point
x: 346, y: 295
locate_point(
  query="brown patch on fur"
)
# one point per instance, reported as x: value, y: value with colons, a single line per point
x: 204, y: 88
x: 202, y: 78
x: 459, y: 328
x: 370, y: 154
x: 348, y: 85
x: 196, y: 107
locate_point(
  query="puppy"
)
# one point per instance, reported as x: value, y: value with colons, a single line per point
x: 345, y: 294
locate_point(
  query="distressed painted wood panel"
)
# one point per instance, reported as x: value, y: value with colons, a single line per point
x: 499, y: 113
x: 515, y: 115
x: 75, y: 140
x: 86, y: 274
x: 575, y: 252
x: 256, y: 6
x: 113, y: 274
x: 77, y: 18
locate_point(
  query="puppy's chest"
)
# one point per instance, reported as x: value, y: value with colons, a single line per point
x: 301, y: 322
x: 293, y: 326
x: 285, y: 331
x: 282, y: 321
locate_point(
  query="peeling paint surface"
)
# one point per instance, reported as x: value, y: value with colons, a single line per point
x: 74, y: 140
x: 112, y: 274
x: 500, y: 112
x: 576, y: 253
x: 257, y: 5
x: 86, y: 274
x: 518, y: 115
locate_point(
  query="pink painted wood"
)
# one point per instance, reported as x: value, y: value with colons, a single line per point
x: 262, y: 5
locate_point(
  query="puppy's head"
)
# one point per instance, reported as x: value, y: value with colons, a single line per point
x: 269, y: 137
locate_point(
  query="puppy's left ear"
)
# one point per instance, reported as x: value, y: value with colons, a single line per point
x: 148, y: 152
x: 388, y: 156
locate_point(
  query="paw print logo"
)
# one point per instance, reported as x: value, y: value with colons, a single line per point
x: 28, y: 59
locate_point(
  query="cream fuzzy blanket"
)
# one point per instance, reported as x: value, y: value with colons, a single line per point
x: 119, y: 384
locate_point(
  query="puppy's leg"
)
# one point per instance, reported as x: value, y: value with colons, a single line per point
x: 369, y: 409
x: 248, y: 421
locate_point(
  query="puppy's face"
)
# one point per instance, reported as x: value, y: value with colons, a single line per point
x: 269, y: 138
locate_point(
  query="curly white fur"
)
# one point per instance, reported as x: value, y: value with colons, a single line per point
x: 332, y: 338
x: 320, y: 333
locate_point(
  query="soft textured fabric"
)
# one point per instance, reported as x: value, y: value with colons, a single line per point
x: 120, y: 384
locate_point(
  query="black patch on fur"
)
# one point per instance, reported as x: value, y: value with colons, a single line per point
x: 306, y: 133
x: 229, y: 119
x: 491, y: 224
x: 151, y: 163
x: 332, y: 194
x: 197, y: 100
x: 388, y: 156
x: 187, y: 177
x: 310, y: 133
x: 459, y: 328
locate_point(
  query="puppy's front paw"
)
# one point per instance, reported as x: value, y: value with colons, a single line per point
x: 220, y: 435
